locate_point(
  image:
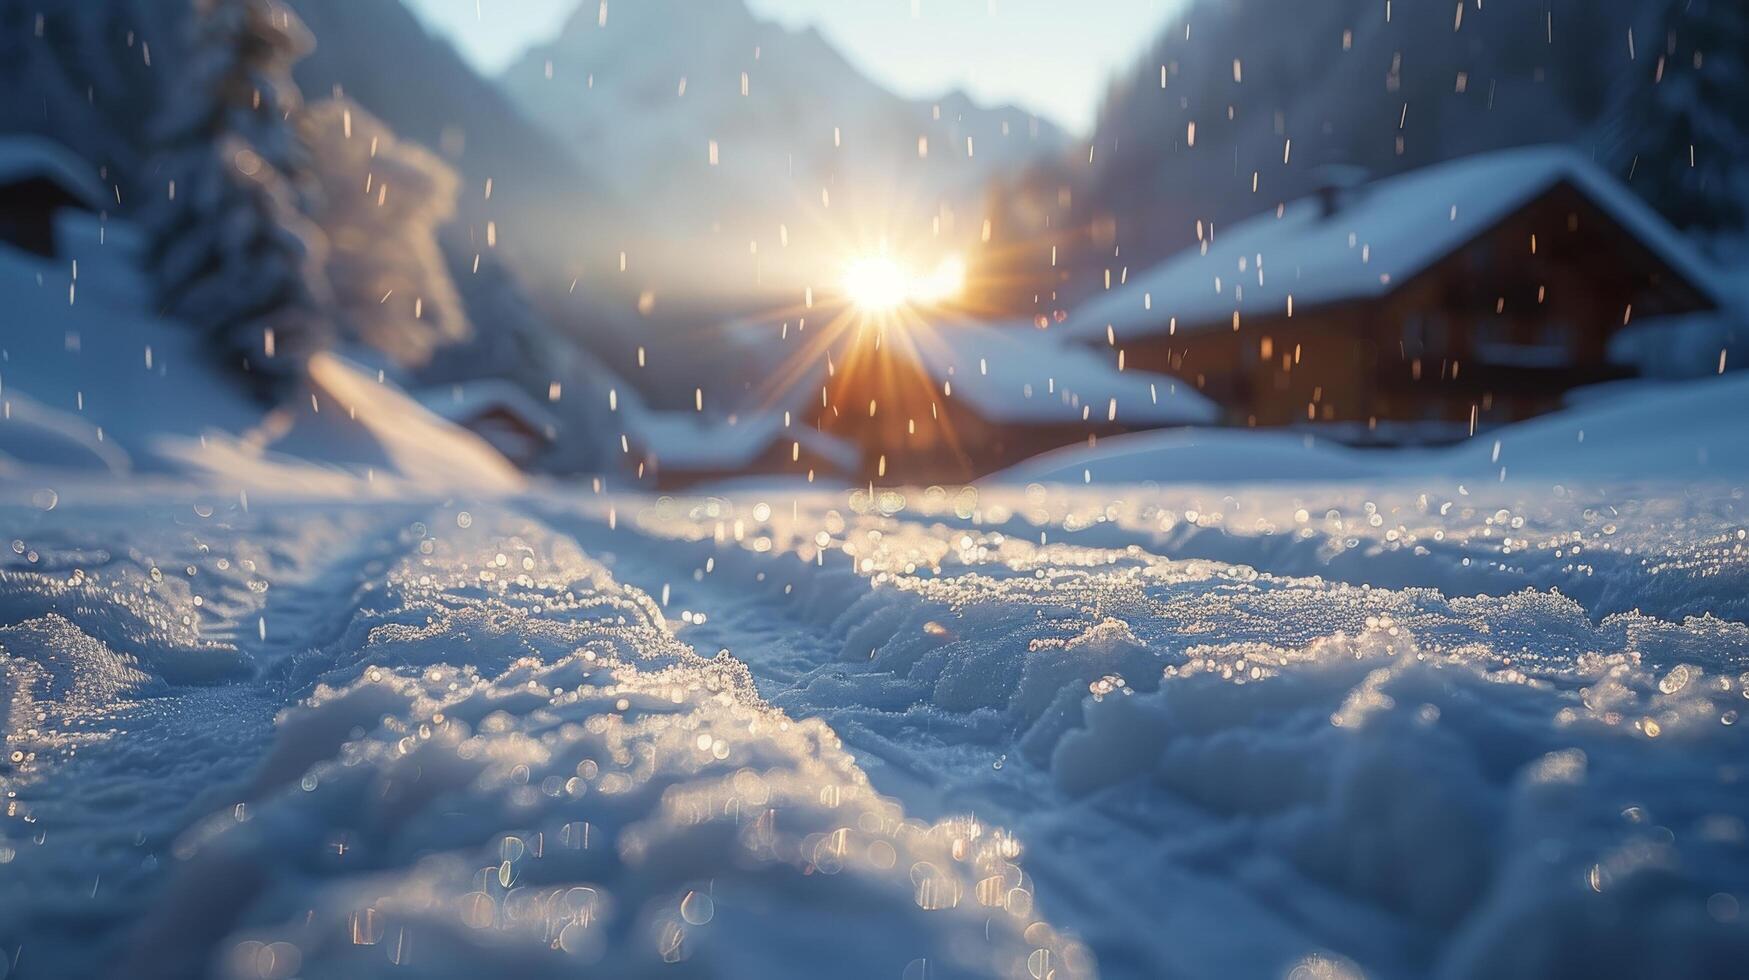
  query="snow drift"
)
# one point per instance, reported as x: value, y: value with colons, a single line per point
x: 1670, y: 431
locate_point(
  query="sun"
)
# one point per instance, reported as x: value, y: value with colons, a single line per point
x: 875, y: 284
x: 879, y: 283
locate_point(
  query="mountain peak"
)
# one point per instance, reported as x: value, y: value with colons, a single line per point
x: 718, y: 127
x: 621, y: 17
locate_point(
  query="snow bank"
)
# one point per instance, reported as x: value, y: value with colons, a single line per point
x: 53, y: 679
x: 507, y: 762
x: 1686, y: 431
x: 1015, y: 373
x: 24, y: 156
x: 1679, y: 432
x: 1684, y: 347
x: 1458, y: 790
x: 778, y: 733
x: 1423, y: 783
x: 91, y: 384
x: 1198, y: 456
x: 38, y: 438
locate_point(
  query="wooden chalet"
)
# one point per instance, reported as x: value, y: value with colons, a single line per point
x: 1414, y: 308
x: 679, y: 450
x: 952, y: 401
x: 498, y: 411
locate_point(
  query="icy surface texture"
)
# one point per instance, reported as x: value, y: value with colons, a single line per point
x: 501, y: 760
x: 1010, y: 732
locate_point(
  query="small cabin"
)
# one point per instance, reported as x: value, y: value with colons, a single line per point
x: 952, y: 401
x: 1415, y: 308
x: 498, y: 411
x: 39, y: 179
x: 678, y: 450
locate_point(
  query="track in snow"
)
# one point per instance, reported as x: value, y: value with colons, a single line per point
x: 1326, y: 746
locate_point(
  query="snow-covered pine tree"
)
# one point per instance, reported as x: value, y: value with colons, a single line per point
x: 381, y: 202
x: 232, y: 251
x: 1681, y: 129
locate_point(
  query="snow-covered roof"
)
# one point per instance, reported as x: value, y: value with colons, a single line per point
x: 469, y: 400
x: 1008, y: 373
x: 1020, y: 374
x: 1383, y: 235
x: 23, y: 157
x: 688, y: 441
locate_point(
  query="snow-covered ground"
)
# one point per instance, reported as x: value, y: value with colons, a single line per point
x: 329, y: 691
x: 92, y: 383
x: 1424, y: 728
x: 1623, y: 431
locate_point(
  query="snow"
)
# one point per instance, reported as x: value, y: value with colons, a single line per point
x: 687, y: 441
x: 469, y: 400
x: 630, y: 801
x: 1008, y: 373
x: 326, y: 689
x: 91, y: 381
x: 1687, y: 431
x: 1383, y: 234
x: 36, y: 437
x: 1015, y: 373
x: 1628, y: 431
x: 23, y: 157
x: 709, y: 443
x: 1678, y: 347
x: 1198, y: 456
x: 722, y: 129
x: 1408, y: 730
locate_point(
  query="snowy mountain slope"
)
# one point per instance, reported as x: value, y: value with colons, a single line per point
x: 1239, y: 103
x: 96, y: 79
x: 102, y: 386
x: 544, y: 198
x: 530, y: 215
x: 718, y: 127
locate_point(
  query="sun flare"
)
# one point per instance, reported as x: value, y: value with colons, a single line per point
x: 875, y: 284
x: 882, y: 284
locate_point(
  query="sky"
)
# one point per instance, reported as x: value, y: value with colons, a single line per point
x: 1053, y: 57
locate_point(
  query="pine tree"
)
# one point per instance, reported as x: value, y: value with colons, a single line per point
x: 1682, y: 123
x: 381, y: 202
x: 232, y: 250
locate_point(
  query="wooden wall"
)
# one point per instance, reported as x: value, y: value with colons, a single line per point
x: 1502, y: 327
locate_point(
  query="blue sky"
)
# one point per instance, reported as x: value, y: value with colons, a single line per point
x: 1051, y: 56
